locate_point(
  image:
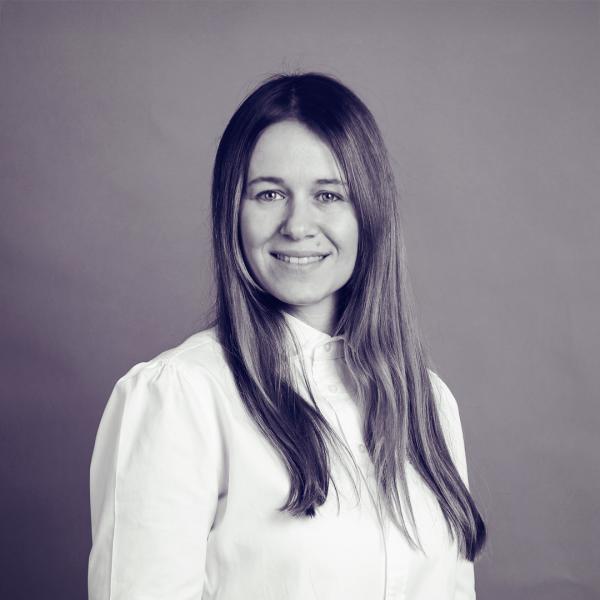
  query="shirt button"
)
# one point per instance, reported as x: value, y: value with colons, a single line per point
x: 327, y: 347
x: 362, y: 448
x: 333, y: 388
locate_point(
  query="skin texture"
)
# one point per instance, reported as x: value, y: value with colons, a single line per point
x: 298, y: 214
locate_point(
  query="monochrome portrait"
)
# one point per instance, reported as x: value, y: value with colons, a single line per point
x: 300, y: 299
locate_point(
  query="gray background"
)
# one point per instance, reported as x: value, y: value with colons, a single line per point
x: 109, y: 118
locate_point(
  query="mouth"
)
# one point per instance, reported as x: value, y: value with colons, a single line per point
x: 299, y: 260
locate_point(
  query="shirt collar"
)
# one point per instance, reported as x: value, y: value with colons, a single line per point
x: 314, y: 343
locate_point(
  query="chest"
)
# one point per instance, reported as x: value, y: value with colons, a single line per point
x: 350, y: 541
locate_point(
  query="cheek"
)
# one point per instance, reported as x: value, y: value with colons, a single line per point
x: 347, y: 235
x: 256, y: 227
x: 249, y: 229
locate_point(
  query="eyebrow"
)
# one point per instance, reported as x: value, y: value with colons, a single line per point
x: 280, y: 181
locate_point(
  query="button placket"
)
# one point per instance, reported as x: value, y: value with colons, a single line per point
x: 325, y: 375
x: 337, y: 404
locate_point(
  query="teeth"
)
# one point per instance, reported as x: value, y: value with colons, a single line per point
x: 299, y: 260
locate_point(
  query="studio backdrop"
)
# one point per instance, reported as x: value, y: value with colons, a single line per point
x: 110, y: 114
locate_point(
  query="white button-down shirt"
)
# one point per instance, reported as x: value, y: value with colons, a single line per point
x: 186, y: 491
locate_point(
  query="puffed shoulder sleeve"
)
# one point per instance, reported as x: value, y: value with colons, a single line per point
x: 453, y: 434
x: 155, y: 478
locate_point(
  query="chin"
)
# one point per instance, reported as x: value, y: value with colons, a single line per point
x: 300, y: 299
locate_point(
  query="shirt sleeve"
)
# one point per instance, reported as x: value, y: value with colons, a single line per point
x: 450, y: 420
x: 154, y: 484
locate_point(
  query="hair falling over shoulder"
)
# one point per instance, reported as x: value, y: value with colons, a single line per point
x: 384, y: 351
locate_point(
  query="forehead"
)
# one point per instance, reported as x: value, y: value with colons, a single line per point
x: 289, y: 149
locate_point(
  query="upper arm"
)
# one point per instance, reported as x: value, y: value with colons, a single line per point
x: 154, y: 484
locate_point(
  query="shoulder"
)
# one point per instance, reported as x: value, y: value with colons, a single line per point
x: 450, y: 422
x: 176, y: 395
x: 192, y: 377
x: 199, y: 356
x: 444, y: 398
x: 447, y: 408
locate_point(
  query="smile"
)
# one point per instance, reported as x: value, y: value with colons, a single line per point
x: 300, y: 260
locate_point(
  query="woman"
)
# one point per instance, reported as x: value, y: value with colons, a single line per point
x: 300, y: 448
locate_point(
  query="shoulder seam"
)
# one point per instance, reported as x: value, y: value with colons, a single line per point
x: 183, y: 348
x: 181, y: 369
x: 162, y: 361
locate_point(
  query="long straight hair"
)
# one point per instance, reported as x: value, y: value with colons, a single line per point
x: 384, y: 351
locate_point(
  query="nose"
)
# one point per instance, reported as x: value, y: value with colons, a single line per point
x: 299, y: 220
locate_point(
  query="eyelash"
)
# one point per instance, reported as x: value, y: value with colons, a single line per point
x: 261, y: 196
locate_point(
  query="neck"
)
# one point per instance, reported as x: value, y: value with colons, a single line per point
x: 321, y: 317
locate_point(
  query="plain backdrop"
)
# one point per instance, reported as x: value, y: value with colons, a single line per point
x: 110, y: 114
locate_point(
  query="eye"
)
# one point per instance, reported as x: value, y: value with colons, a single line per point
x: 329, y: 197
x: 268, y: 195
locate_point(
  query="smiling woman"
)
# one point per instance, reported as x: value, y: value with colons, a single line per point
x: 300, y: 447
x: 299, y: 238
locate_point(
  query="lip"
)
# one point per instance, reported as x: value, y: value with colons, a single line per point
x: 300, y: 253
x: 297, y: 266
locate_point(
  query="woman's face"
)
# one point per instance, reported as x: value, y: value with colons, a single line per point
x: 298, y: 227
